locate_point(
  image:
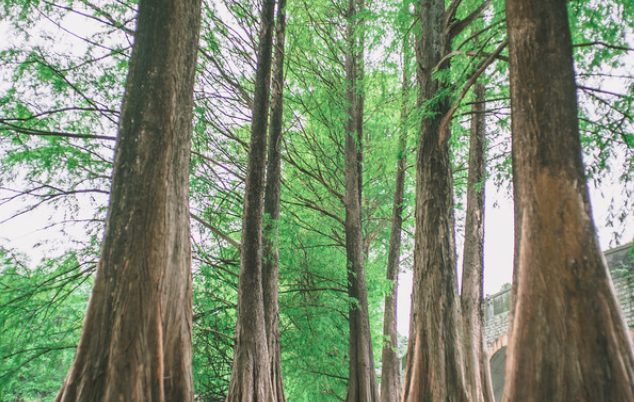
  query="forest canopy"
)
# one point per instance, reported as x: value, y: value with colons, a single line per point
x: 63, y: 76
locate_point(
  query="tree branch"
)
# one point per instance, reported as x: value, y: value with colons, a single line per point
x: 483, y: 66
x: 458, y: 26
x: 215, y: 230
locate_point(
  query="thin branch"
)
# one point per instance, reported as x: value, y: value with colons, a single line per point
x: 41, y: 133
x: 211, y: 331
x: 483, y: 66
x: 604, y: 44
x: 215, y: 230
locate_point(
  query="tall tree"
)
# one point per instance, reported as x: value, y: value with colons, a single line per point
x: 569, y: 341
x: 434, y: 357
x: 251, y: 371
x: 136, y: 339
x: 362, y: 384
x: 390, y: 363
x: 271, y: 257
x: 477, y: 372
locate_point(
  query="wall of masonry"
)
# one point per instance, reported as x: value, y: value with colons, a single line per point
x: 496, y: 314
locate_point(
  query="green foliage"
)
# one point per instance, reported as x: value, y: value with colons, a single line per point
x: 58, y: 118
x: 41, y: 312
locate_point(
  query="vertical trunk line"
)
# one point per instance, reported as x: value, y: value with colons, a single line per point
x: 362, y: 385
x: 270, y: 263
x: 477, y: 380
x: 251, y: 371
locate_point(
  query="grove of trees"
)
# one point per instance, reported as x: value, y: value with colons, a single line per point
x: 228, y: 191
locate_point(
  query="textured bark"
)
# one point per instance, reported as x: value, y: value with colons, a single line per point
x: 569, y: 340
x: 362, y: 384
x: 270, y: 263
x: 434, y: 358
x: 390, y: 363
x: 251, y: 371
x: 477, y: 380
x: 136, y: 339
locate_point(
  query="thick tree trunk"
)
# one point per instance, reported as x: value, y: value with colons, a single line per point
x: 270, y: 263
x: 136, y: 340
x: 390, y: 363
x: 569, y: 340
x: 477, y: 381
x: 434, y: 357
x: 251, y: 371
x: 362, y: 384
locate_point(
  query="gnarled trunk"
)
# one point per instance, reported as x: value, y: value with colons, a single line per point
x: 136, y: 339
x: 477, y: 378
x: 569, y: 340
x: 251, y: 371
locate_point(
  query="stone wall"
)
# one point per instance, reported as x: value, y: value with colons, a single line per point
x: 496, y: 320
x: 496, y: 307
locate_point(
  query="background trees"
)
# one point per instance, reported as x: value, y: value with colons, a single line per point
x: 58, y: 120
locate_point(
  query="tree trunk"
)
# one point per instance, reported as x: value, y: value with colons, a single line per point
x: 270, y: 263
x: 569, y: 340
x: 362, y: 384
x: 136, y: 339
x: 477, y: 381
x: 390, y: 364
x: 251, y: 371
x: 434, y: 357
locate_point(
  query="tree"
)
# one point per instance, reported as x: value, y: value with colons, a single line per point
x: 390, y: 362
x: 569, y: 340
x: 136, y: 337
x: 251, y: 372
x: 477, y: 371
x: 362, y: 384
x: 271, y: 257
x: 434, y: 356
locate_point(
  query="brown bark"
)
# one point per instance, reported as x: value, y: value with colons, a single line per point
x: 251, y: 371
x: 391, y: 390
x: 476, y: 377
x: 270, y: 263
x: 434, y: 358
x: 136, y: 339
x: 362, y: 384
x: 569, y: 340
